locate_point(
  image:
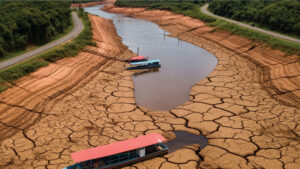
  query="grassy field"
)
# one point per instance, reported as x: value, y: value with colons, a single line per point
x: 189, y: 8
x: 10, y: 74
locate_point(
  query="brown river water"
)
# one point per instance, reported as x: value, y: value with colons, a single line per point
x: 182, y: 65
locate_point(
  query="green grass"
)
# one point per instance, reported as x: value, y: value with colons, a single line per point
x: 17, y: 53
x: 11, y: 74
x: 193, y: 10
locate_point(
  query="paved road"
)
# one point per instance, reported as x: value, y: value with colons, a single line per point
x: 78, y: 27
x: 205, y: 11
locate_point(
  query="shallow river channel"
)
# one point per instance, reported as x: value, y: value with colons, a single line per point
x: 182, y: 64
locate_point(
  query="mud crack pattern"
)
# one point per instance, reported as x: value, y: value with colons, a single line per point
x: 245, y: 126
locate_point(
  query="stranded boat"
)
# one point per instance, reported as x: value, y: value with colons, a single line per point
x: 120, y: 153
x: 137, y: 59
x: 145, y: 65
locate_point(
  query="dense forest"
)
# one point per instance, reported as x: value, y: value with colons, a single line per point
x: 282, y: 16
x: 31, y: 23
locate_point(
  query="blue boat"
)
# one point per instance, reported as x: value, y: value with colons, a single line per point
x: 146, y: 62
x: 148, y: 66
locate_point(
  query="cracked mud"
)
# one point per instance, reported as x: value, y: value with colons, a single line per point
x: 88, y: 100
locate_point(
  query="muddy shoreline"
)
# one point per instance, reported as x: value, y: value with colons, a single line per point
x: 279, y: 74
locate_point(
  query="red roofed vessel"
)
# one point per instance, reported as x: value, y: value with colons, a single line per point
x: 120, y: 153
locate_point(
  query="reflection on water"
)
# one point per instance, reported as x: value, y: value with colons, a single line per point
x: 142, y: 72
x: 182, y: 64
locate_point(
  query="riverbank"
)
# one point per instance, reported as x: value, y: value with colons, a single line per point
x: 99, y: 110
x: 24, y: 104
x: 244, y: 125
x: 280, y: 74
x: 245, y: 106
x: 87, y: 4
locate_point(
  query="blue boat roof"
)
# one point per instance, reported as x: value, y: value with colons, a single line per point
x: 145, y: 62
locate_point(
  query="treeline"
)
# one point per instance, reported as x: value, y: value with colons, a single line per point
x: 31, y: 23
x: 282, y: 16
x: 12, y: 73
x: 185, y: 7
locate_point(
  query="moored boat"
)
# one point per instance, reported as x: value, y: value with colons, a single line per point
x: 137, y: 59
x: 120, y: 153
x: 149, y: 66
x: 146, y: 62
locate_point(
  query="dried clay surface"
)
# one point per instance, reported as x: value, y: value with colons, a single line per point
x: 248, y: 107
x: 72, y: 105
x: 79, y: 103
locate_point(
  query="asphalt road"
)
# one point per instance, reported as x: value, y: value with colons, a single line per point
x: 205, y: 11
x: 78, y: 27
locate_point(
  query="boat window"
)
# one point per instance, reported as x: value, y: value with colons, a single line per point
x: 114, y: 158
x: 106, y: 161
x: 124, y: 156
x: 97, y: 163
x: 73, y: 167
x: 132, y: 154
x: 86, y: 165
x: 151, y: 149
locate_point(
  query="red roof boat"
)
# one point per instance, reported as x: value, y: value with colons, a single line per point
x: 120, y: 153
x: 137, y: 59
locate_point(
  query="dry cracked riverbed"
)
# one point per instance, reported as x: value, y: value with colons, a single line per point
x: 245, y: 125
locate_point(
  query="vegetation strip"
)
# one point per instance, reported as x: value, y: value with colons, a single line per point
x: 282, y: 16
x: 9, y: 75
x: 23, y: 24
x: 192, y: 9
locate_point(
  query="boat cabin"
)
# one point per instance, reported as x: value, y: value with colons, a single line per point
x: 137, y: 59
x: 146, y: 62
x: 121, y: 153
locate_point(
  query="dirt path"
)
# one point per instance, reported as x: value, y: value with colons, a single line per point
x: 246, y: 127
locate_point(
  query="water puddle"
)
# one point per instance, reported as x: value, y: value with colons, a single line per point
x: 182, y: 64
x: 184, y: 139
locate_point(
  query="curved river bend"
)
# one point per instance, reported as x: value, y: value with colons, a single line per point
x: 182, y: 64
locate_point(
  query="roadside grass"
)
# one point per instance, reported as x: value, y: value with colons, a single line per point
x: 11, y: 74
x: 193, y: 10
x: 17, y: 53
